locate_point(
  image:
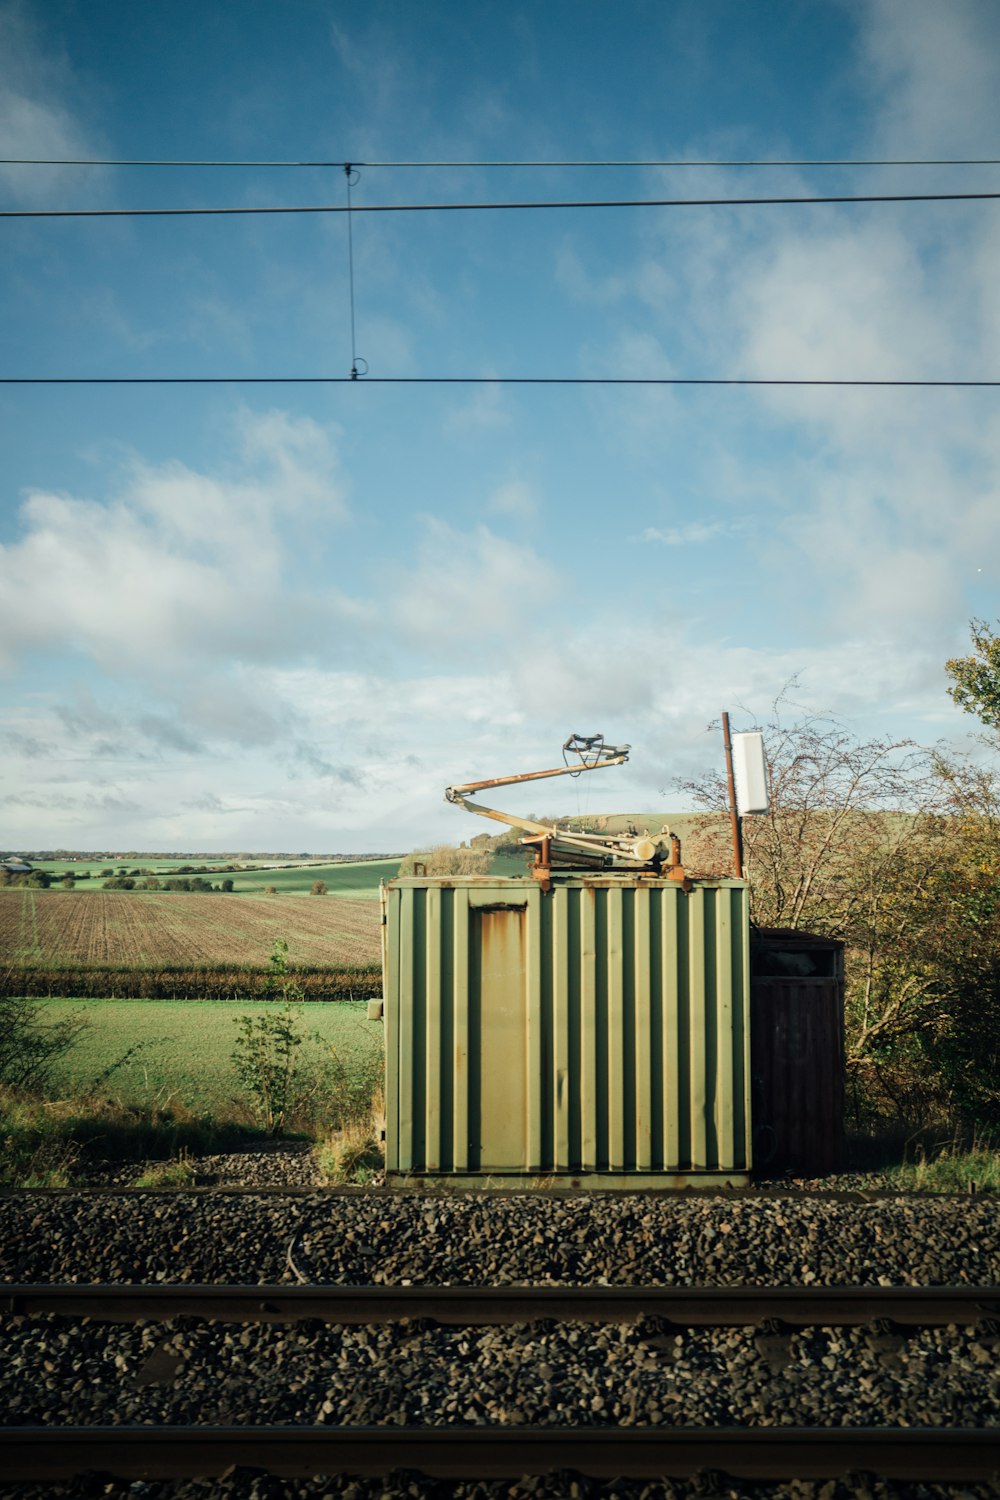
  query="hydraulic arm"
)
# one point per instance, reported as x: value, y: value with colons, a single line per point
x: 570, y: 848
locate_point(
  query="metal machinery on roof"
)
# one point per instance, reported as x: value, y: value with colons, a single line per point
x: 570, y: 849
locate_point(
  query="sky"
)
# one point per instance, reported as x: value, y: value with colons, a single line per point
x: 242, y: 617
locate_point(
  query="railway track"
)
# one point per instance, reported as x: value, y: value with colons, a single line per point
x: 767, y: 1453
x: 763, y: 1190
x: 685, y: 1307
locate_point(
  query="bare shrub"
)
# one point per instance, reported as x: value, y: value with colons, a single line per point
x: 446, y: 859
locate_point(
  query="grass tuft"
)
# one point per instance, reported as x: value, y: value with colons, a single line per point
x: 53, y: 1142
x: 354, y: 1153
x: 37, y: 1163
x: 951, y: 1169
x: 180, y: 1171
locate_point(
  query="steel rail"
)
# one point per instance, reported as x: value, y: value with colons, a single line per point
x: 770, y: 1453
x: 802, y: 1307
x: 764, y: 1190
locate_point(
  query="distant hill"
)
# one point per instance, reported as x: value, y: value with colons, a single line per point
x: 679, y: 823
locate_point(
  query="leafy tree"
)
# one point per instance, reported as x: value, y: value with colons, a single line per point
x: 226, y: 885
x: 960, y: 948
x: 976, y: 679
x: 318, y: 888
x: 864, y: 842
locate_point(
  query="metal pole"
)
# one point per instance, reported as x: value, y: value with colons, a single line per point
x: 733, y: 810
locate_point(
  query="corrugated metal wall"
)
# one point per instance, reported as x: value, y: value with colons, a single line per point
x: 598, y: 1030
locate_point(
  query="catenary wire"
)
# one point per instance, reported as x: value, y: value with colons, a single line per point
x: 596, y: 380
x: 71, y: 161
x: 410, y: 208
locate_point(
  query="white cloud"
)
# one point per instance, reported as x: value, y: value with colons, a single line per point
x: 467, y: 585
x: 874, y: 508
x: 514, y: 498
x: 486, y: 408
x: 36, y: 120
x: 839, y: 303
x: 352, y: 702
x: 180, y: 563
x: 695, y: 532
x: 654, y: 687
x: 348, y: 759
x: 935, y: 69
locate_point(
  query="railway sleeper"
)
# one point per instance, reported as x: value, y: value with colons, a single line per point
x: 768, y: 1454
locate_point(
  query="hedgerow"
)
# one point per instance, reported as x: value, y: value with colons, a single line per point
x: 185, y: 982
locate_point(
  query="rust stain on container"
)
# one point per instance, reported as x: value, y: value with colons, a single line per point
x: 502, y: 1025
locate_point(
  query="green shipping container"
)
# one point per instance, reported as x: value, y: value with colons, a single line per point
x: 595, y: 1034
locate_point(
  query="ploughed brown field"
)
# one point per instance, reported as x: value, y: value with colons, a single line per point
x: 149, y: 929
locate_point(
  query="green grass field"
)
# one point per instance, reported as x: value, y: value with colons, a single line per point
x: 183, y: 1048
x: 94, y: 867
x: 360, y: 879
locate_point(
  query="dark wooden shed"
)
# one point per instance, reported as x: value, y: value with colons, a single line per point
x: 797, y: 1052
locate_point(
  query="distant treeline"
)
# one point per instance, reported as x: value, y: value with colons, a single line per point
x: 177, y: 982
x: 42, y: 880
x: 204, y: 861
x: 164, y: 883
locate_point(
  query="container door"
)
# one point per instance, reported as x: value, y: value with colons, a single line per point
x: 498, y: 1027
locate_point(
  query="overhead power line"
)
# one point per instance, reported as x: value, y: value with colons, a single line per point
x: 411, y: 208
x: 70, y: 161
x: 608, y: 380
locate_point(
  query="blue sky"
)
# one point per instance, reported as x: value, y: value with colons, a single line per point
x: 285, y: 617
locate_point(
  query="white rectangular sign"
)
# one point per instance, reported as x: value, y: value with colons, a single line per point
x: 750, y: 771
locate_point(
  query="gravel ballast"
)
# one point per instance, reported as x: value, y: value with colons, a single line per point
x: 480, y: 1239
x: 59, y: 1369
x: 248, y: 1485
x: 574, y: 1374
x: 276, y: 1164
